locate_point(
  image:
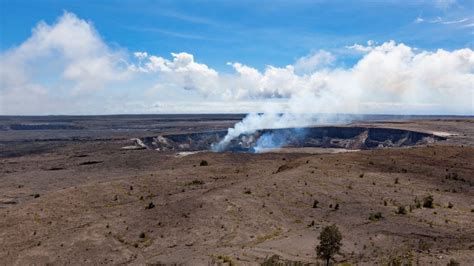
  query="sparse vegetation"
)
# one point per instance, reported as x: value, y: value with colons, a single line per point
x: 329, y: 243
x: 196, y: 182
x: 453, y: 262
x: 428, y: 202
x: 417, y: 203
x: 150, y: 206
x: 453, y: 176
x: 424, y: 245
x: 375, y: 216
x: 275, y: 260
x: 226, y: 259
x: 401, y: 260
x: 203, y: 163
x: 401, y: 210
x: 315, y: 203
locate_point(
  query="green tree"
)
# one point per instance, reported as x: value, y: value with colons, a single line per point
x: 329, y: 243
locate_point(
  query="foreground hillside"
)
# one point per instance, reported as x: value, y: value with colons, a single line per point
x: 94, y: 203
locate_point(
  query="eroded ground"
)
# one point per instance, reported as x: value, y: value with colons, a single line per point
x: 89, y: 201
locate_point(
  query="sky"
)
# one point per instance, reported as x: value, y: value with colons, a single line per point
x: 115, y: 57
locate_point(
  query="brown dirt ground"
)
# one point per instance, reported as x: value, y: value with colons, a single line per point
x: 92, y: 204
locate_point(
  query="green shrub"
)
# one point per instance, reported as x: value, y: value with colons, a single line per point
x: 329, y: 243
x: 375, y: 216
x: 453, y: 262
x: 401, y: 210
x: 428, y: 202
x: 196, y: 182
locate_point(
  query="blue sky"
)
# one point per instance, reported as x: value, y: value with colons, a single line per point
x: 88, y: 57
x: 254, y: 32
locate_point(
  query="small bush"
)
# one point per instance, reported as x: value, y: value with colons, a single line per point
x: 453, y: 262
x: 248, y: 191
x: 401, y: 210
x: 417, y: 203
x: 315, y: 203
x: 428, y: 202
x: 226, y: 260
x: 450, y: 205
x: 375, y: 216
x: 423, y: 245
x: 150, y: 206
x: 203, y: 163
x: 196, y: 182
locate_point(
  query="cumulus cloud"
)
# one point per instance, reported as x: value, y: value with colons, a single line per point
x: 60, y: 61
x: 313, y: 61
x: 390, y: 73
x: 182, y: 71
x: 68, y: 54
x: 387, y: 77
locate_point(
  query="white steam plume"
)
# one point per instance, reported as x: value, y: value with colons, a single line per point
x: 390, y: 78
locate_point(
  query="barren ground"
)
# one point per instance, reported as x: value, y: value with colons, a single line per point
x: 73, y: 196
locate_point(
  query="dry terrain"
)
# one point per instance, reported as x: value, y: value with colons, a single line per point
x: 70, y: 194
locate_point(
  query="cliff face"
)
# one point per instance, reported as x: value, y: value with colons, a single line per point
x: 323, y: 137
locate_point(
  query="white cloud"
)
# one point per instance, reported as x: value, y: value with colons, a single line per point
x: 444, y: 4
x: 362, y: 48
x: 313, y: 61
x: 388, y: 73
x: 68, y: 54
x: 460, y: 22
x: 182, y: 71
x: 141, y: 55
x: 49, y: 71
x: 419, y: 20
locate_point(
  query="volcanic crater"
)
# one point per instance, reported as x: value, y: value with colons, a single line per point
x: 339, y: 137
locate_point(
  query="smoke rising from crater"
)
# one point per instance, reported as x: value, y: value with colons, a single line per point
x: 390, y: 78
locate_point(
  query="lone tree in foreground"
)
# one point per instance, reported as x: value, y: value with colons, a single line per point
x: 329, y: 243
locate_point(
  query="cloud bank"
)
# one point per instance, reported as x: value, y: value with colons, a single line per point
x: 68, y: 66
x: 387, y: 77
